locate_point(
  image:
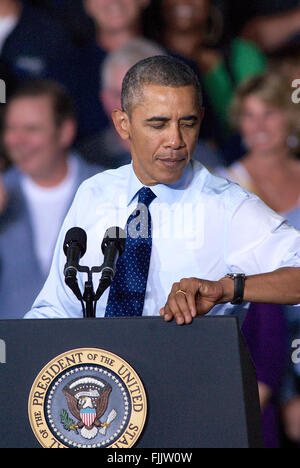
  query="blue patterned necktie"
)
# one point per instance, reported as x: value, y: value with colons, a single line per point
x: 127, y: 292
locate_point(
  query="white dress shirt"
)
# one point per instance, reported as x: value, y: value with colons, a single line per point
x: 203, y: 226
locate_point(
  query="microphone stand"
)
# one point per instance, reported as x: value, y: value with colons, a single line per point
x: 89, y: 296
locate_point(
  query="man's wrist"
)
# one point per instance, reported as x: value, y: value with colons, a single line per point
x: 228, y: 290
x: 233, y: 293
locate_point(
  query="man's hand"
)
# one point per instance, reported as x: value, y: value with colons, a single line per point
x: 192, y: 297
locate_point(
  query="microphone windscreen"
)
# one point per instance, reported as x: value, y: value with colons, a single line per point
x: 76, y: 235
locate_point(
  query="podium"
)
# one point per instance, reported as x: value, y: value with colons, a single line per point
x: 197, y: 384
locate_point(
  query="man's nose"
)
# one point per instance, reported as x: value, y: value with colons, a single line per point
x: 175, y: 139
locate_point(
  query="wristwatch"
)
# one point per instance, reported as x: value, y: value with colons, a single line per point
x: 239, y: 287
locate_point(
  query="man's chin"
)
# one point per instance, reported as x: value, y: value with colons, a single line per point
x: 161, y: 173
x: 171, y: 172
x: 168, y: 178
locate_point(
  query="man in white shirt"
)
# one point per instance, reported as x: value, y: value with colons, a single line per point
x: 37, y: 191
x: 200, y: 227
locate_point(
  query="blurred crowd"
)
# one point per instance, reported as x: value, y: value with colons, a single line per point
x: 63, y: 62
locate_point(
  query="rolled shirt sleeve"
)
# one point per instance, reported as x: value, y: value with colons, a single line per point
x: 259, y: 240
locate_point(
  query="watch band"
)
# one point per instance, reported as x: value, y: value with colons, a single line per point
x: 239, y: 287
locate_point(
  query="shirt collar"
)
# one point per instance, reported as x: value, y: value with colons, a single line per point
x: 165, y: 193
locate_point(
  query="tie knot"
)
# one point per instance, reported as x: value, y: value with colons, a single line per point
x: 146, y: 196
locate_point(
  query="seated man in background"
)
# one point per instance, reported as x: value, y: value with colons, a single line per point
x: 35, y: 194
x: 107, y: 144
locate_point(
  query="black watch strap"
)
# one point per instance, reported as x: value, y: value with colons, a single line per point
x: 239, y: 287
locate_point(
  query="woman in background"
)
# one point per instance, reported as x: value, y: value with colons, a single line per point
x: 269, y: 124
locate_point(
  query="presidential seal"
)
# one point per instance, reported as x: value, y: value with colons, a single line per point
x: 87, y: 398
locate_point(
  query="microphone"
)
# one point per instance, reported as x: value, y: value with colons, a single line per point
x: 74, y: 248
x: 113, y: 246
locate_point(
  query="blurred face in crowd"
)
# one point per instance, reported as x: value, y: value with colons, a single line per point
x: 110, y: 95
x: 185, y: 15
x: 35, y: 144
x: 263, y: 126
x: 115, y: 15
x: 162, y: 128
x: 111, y: 92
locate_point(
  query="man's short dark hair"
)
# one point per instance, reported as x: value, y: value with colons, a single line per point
x: 62, y: 104
x: 161, y: 70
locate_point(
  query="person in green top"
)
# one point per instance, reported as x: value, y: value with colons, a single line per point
x: 189, y: 28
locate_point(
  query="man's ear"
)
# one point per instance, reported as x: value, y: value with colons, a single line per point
x: 122, y: 123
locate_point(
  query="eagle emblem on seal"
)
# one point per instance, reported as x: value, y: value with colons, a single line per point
x: 87, y: 399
